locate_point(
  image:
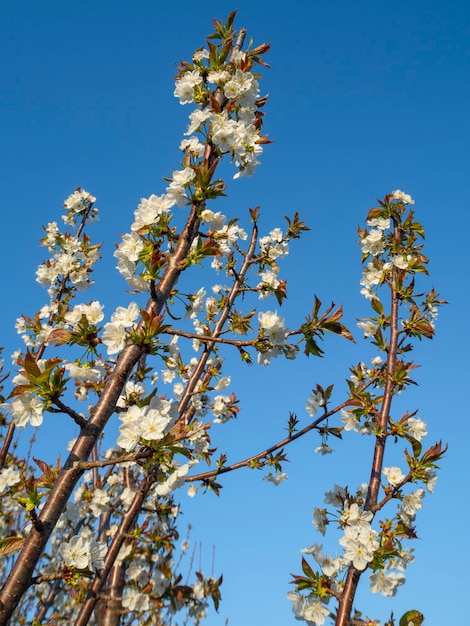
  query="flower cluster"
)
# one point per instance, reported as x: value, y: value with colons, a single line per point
x: 392, y: 257
x: 80, y: 204
x: 233, y: 129
x: 226, y: 121
x: 83, y: 553
x: 73, y: 257
x: 149, y: 422
x: 122, y: 512
x: 115, y: 331
x: 311, y: 610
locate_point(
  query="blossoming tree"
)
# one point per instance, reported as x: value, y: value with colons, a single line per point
x: 93, y: 539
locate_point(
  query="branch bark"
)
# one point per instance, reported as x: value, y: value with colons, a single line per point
x: 21, y: 574
x: 353, y: 576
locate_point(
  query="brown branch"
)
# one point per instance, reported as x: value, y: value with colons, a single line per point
x: 127, y: 523
x: 22, y: 570
x: 379, y: 450
x: 36, y: 522
x: 21, y: 574
x: 205, y: 338
x: 77, y: 418
x: 127, y: 458
x: 276, y: 446
x: 11, y: 428
x: 6, y: 444
x: 47, y: 578
x: 353, y: 575
x: 393, y: 492
x: 109, y: 608
x: 218, y: 328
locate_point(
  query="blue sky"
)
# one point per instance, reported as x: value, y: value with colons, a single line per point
x: 365, y: 97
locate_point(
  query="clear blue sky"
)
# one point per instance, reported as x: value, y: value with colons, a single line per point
x: 365, y: 97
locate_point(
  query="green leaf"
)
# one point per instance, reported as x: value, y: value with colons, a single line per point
x: 311, y: 347
x: 307, y: 570
x: 377, y: 306
x: 31, y: 367
x: 338, y: 329
x: 8, y: 545
x: 411, y: 618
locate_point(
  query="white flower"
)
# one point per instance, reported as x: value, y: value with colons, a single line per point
x: 386, y: 583
x: 219, y: 407
x: 196, y: 304
x: 350, y: 420
x: 217, y: 77
x: 200, y: 54
x: 431, y: 479
x: 26, y: 409
x: 354, y: 516
x: 133, y: 600
x: 269, y: 282
x: 229, y: 235
x: 146, y: 214
x: 417, y: 428
x: 400, y: 261
x: 9, y: 476
x: 336, y: 496
x: 133, y: 415
x: 320, y: 520
x: 192, y: 145
x: 357, y: 553
x: 223, y: 383
x: 129, y: 435
x: 298, y: 602
x: 127, y: 496
x: 78, y: 199
x: 93, y: 313
x: 125, y: 316
x: 401, y: 196
x: 176, y: 189
x: 411, y: 503
x: 379, y: 222
x: 324, y: 449
x: 137, y: 574
x: 394, y: 475
x: 197, y: 118
x: 373, y: 243
x: 372, y: 276
x: 276, y: 479
x: 130, y: 247
x: 86, y: 372
x: 329, y: 565
x: 98, y: 550
x: 192, y: 490
x: 402, y: 560
x: 273, y: 245
x: 174, y: 481
x: 152, y: 427
x: 315, y: 612
x: 99, y: 502
x: 314, y: 400
x: 359, y: 542
x: 114, y: 337
x: 273, y: 326
x: 83, y: 554
x: 368, y: 327
x: 75, y: 553
x: 312, y: 610
x: 215, y: 221
x: 184, y: 89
